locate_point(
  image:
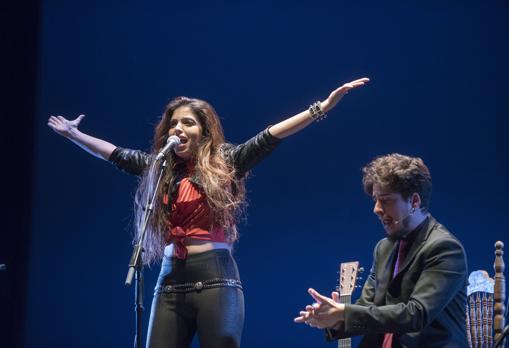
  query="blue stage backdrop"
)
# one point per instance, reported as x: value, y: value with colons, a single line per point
x: 438, y: 90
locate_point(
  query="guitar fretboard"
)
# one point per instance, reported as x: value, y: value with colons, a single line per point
x: 345, y: 342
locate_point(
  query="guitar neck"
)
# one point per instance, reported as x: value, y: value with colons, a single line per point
x: 346, y: 299
x: 347, y: 279
x: 345, y: 342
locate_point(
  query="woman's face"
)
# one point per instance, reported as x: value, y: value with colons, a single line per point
x: 187, y: 127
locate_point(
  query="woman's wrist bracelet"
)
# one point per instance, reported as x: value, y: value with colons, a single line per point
x: 316, y: 112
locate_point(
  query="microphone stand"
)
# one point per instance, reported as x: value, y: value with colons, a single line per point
x: 136, y: 262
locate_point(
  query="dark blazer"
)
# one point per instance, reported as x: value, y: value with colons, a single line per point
x: 424, y: 305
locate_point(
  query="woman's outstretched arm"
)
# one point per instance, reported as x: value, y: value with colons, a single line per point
x: 295, y: 123
x: 69, y: 129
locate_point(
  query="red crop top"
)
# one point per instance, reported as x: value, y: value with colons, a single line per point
x: 190, y: 217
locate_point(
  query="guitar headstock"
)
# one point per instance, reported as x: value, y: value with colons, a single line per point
x: 348, y: 275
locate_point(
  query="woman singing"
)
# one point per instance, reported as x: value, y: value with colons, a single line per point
x: 193, y: 225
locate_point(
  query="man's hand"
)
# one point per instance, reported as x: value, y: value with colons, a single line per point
x: 324, y: 313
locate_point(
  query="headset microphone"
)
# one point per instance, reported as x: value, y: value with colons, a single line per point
x: 396, y: 222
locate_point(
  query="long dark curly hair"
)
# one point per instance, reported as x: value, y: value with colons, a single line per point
x: 217, y: 179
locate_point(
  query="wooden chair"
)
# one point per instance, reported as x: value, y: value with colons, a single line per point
x: 485, y: 304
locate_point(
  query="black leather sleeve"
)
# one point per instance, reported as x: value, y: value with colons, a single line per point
x: 247, y: 155
x: 130, y: 161
x: 243, y: 157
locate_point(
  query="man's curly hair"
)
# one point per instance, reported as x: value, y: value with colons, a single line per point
x: 401, y: 174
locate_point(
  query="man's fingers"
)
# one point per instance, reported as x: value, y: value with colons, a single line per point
x: 299, y: 319
x: 335, y: 296
x: 318, y: 297
x: 304, y: 316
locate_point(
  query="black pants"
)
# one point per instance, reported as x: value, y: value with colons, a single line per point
x: 216, y: 314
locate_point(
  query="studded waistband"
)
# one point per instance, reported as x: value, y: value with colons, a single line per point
x: 198, y: 286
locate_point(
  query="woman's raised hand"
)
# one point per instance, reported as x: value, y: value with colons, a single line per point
x: 295, y: 123
x: 63, y: 126
x: 338, y: 93
x: 69, y: 129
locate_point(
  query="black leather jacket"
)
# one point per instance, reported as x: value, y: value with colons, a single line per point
x: 243, y: 157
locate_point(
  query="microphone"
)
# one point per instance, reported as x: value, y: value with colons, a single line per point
x: 396, y: 222
x: 171, y: 143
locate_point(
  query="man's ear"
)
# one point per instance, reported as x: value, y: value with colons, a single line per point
x: 416, y: 201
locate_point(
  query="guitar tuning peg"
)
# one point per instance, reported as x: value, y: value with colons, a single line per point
x: 358, y: 286
x: 361, y: 270
x: 359, y: 278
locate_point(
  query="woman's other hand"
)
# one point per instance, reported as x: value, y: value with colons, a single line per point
x: 340, y: 92
x: 63, y: 126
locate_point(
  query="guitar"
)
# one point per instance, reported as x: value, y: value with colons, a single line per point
x: 348, y: 272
